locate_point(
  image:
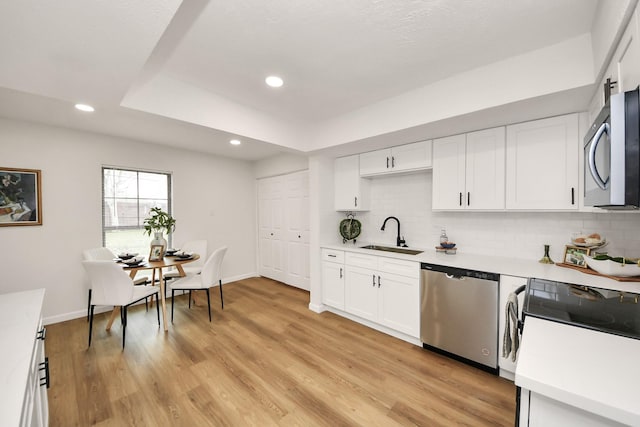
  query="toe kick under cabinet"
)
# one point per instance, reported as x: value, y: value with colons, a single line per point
x: 24, y: 370
x: 378, y: 291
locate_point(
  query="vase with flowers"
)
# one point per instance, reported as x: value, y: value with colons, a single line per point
x: 159, y: 222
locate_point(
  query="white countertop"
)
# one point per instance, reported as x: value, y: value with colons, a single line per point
x: 501, y: 265
x: 19, y: 321
x: 590, y: 370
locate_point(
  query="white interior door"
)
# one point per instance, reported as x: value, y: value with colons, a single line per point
x: 297, y: 229
x: 283, y: 222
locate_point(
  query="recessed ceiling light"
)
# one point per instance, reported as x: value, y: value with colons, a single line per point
x: 274, y: 81
x: 234, y: 142
x: 85, y: 108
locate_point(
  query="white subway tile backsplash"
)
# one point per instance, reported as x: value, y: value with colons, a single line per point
x: 512, y: 234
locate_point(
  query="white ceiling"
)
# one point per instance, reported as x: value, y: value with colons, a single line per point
x: 335, y: 56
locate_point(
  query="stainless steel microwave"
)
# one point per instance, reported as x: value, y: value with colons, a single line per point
x: 612, y: 155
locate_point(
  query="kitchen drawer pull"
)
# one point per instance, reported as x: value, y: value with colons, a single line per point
x: 42, y: 334
x: 331, y: 255
x: 387, y: 162
x: 44, y: 366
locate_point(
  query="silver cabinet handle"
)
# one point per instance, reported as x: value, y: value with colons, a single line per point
x: 593, y: 169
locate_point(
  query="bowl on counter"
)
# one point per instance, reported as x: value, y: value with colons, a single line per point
x: 448, y: 245
x: 588, y: 240
x: 612, y: 268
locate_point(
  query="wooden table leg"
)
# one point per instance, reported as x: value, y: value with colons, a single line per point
x: 164, y: 307
x: 114, y: 314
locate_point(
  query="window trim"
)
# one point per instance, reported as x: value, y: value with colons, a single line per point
x: 169, y: 176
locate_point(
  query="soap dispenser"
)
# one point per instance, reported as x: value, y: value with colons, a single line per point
x: 443, y: 236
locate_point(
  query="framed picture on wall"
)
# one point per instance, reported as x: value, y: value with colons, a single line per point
x: 573, y: 255
x: 20, y: 197
x: 156, y: 253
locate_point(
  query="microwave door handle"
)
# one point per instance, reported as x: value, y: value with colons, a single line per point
x: 593, y: 169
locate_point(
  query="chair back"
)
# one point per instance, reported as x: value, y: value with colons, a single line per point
x: 98, y: 254
x: 199, y: 247
x: 110, y: 283
x: 212, y: 271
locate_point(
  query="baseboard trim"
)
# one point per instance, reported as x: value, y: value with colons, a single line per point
x: 317, y: 308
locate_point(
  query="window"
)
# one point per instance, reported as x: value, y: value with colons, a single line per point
x: 127, y: 198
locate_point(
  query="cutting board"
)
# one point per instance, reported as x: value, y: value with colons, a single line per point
x: 595, y: 273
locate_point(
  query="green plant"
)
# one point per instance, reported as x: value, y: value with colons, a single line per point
x: 159, y: 221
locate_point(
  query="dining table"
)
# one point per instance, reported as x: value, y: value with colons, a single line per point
x: 156, y: 267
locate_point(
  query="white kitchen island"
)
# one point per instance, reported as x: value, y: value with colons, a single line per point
x: 572, y: 376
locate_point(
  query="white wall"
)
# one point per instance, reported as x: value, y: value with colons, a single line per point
x: 510, y: 234
x: 214, y: 198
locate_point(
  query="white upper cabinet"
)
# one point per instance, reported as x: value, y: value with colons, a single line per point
x: 448, y: 172
x: 350, y: 191
x: 542, y: 164
x: 469, y: 171
x: 626, y: 59
x: 624, y: 68
x: 403, y: 158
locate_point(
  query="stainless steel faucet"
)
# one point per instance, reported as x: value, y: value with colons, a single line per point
x: 399, y: 240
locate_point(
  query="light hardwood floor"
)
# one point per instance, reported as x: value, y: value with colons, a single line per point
x: 265, y: 360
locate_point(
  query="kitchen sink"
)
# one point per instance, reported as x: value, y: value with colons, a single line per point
x: 392, y: 249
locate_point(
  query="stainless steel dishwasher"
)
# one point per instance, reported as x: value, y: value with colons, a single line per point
x: 459, y: 314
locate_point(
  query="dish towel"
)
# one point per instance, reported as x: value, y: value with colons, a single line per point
x: 511, y: 339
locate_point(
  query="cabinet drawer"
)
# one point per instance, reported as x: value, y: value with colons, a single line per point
x: 361, y: 260
x: 399, y: 266
x: 332, y: 255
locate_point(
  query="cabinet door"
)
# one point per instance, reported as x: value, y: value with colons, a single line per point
x: 508, y: 284
x: 375, y: 162
x: 349, y: 189
x: 626, y: 59
x: 542, y: 164
x: 448, y: 172
x: 485, y: 169
x: 361, y: 292
x: 411, y: 156
x: 333, y: 284
x: 399, y: 303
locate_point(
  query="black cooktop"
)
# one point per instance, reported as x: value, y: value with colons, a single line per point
x: 600, y: 309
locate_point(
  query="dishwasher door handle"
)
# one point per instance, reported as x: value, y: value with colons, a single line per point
x: 452, y: 277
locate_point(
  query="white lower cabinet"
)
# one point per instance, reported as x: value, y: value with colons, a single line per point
x: 24, y: 371
x: 333, y: 278
x: 383, y: 290
x: 508, y: 284
x: 540, y: 411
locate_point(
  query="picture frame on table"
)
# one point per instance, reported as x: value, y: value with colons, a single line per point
x: 20, y: 197
x: 574, y: 255
x: 156, y: 253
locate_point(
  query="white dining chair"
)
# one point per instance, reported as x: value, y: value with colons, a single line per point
x: 210, y: 276
x: 102, y: 254
x: 112, y: 286
x: 196, y: 246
